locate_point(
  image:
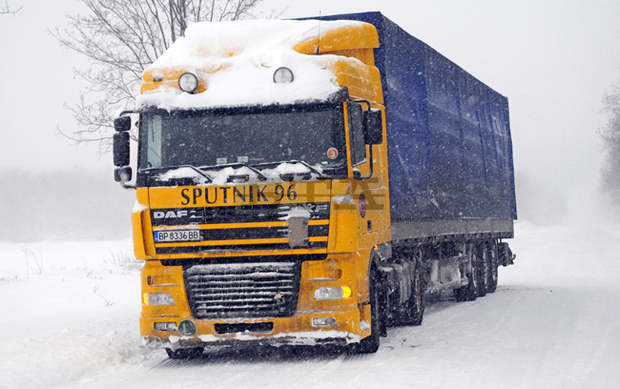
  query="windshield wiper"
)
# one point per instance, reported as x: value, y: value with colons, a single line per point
x: 260, y: 175
x: 311, y: 169
x: 194, y: 168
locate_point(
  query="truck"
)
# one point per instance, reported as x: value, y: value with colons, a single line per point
x: 311, y: 182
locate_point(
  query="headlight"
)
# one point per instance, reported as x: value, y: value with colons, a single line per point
x: 332, y: 293
x: 188, y: 82
x: 158, y: 299
x: 323, y: 321
x: 167, y: 326
x: 283, y: 75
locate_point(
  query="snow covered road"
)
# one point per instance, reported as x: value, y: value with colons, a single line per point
x: 70, y: 319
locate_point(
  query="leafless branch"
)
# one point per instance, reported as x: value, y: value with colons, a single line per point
x: 120, y: 38
x: 5, y: 9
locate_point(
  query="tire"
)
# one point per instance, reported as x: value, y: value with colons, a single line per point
x: 413, y: 313
x: 371, y: 343
x: 483, y: 266
x: 493, y: 256
x: 185, y: 353
x: 469, y: 292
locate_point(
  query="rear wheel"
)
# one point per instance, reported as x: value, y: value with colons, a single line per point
x: 413, y: 313
x: 185, y: 353
x: 493, y: 264
x: 483, y: 266
x: 371, y: 343
x: 469, y: 292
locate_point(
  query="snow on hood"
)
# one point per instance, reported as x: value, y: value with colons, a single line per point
x: 237, y: 61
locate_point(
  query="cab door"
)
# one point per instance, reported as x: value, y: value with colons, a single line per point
x: 370, y: 185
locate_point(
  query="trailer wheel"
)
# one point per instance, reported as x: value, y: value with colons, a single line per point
x: 483, y: 266
x: 469, y: 292
x: 493, y: 266
x: 413, y: 313
x: 185, y: 353
x: 371, y: 343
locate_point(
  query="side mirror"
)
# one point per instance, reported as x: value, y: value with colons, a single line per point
x: 373, y: 127
x: 122, y: 174
x: 121, y: 148
x: 122, y: 124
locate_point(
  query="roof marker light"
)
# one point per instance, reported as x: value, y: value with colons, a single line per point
x: 283, y: 75
x: 188, y: 82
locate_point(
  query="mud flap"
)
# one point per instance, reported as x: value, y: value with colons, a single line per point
x: 506, y: 257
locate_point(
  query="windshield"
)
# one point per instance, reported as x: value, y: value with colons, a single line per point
x: 312, y: 134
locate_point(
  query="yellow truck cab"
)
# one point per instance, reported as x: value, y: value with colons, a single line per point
x: 263, y: 191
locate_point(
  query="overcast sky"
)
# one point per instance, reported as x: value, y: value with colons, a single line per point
x: 553, y: 59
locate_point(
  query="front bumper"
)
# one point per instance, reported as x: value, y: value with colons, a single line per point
x: 351, y: 315
x: 295, y: 330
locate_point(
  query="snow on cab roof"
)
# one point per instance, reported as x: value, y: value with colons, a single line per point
x: 235, y: 62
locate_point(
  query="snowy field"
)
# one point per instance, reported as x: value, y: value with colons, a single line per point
x: 70, y: 319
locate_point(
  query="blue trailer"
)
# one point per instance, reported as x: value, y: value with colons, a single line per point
x: 451, y: 175
x: 449, y: 146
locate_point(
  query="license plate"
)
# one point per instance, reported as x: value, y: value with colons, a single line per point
x: 177, y: 236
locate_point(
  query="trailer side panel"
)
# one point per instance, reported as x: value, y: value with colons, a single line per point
x: 449, y: 141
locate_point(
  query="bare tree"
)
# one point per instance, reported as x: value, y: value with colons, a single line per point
x: 611, y: 139
x: 5, y: 9
x: 121, y: 38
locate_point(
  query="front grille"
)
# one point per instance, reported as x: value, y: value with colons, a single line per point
x: 234, y: 214
x: 219, y: 231
x: 236, y: 248
x: 242, y: 290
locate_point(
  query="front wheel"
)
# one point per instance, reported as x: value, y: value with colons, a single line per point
x: 371, y: 343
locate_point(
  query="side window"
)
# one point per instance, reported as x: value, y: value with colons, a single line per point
x: 356, y: 135
x: 154, y: 136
